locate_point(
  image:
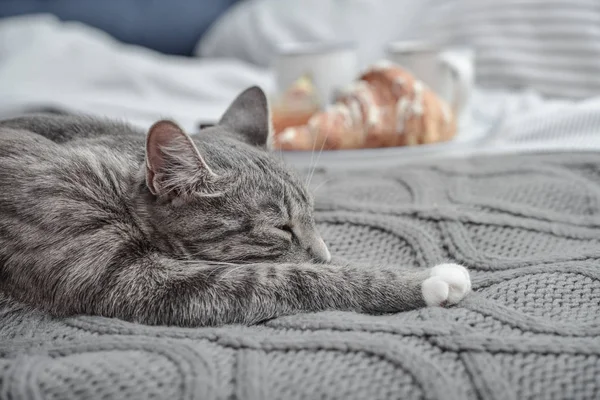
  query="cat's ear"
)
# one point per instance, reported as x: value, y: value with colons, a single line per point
x: 173, y: 162
x: 249, y: 117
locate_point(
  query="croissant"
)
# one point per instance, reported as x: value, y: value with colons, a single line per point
x: 385, y: 107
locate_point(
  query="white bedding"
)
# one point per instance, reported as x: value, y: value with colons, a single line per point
x: 45, y: 63
x: 550, y: 46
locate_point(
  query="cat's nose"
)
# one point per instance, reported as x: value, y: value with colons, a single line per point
x: 320, y: 251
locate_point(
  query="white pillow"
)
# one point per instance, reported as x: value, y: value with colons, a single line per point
x: 253, y: 29
x: 551, y: 46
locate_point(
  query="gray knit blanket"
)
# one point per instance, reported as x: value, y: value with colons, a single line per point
x: 528, y: 227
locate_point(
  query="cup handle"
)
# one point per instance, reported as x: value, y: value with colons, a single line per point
x: 462, y: 72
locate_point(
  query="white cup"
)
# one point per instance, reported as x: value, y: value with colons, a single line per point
x: 330, y: 66
x: 448, y: 71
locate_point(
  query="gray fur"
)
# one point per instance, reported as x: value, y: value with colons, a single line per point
x: 207, y: 233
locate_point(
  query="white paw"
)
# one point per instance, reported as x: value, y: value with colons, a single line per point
x: 447, y: 284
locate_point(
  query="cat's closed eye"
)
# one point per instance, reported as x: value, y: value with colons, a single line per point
x: 287, y: 230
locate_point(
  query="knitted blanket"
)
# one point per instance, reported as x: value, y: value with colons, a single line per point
x: 528, y: 227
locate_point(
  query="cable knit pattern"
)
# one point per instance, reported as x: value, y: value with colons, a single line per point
x: 527, y: 227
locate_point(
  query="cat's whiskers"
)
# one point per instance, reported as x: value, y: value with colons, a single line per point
x: 321, y: 185
x: 318, y: 158
x: 213, y: 271
x: 312, y: 155
x: 226, y: 274
x: 208, y: 262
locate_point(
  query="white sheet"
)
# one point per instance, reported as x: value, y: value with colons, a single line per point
x: 68, y: 65
x: 253, y: 30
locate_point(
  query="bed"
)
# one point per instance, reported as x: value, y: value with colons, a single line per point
x: 516, y: 200
x: 527, y: 226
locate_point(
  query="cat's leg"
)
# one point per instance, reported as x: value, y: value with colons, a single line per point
x: 170, y: 292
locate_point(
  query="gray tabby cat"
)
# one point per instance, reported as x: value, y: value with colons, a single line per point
x: 98, y: 219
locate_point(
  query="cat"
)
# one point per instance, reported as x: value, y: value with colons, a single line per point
x: 167, y: 228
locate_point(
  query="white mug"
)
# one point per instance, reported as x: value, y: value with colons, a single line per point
x: 448, y: 71
x: 330, y: 66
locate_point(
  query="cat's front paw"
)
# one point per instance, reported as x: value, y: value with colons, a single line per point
x: 447, y: 284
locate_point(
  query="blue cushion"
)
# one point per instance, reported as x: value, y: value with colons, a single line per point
x: 169, y: 26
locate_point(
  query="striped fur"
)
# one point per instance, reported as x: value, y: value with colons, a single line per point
x: 82, y: 232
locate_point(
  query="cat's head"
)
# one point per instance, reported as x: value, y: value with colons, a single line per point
x: 219, y: 195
